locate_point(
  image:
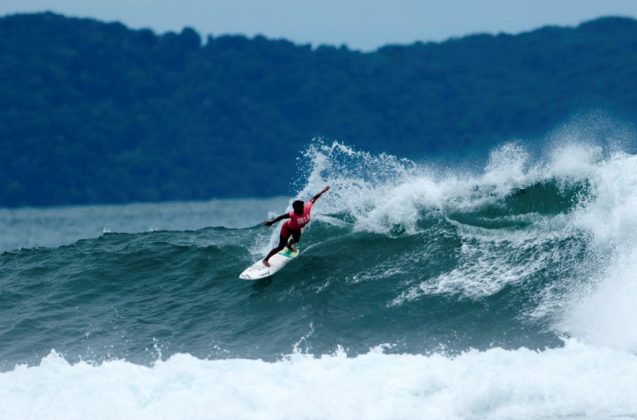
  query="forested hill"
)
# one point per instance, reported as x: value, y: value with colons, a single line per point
x: 94, y: 112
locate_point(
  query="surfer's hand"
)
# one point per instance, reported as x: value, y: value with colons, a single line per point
x: 326, y: 189
x: 269, y: 223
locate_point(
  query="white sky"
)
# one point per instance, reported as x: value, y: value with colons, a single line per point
x: 361, y: 24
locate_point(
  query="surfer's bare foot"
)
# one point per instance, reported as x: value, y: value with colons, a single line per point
x: 266, y: 263
x: 291, y: 248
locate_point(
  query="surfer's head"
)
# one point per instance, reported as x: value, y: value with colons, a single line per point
x: 298, y: 207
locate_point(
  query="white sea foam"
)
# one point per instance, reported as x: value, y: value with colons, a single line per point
x: 604, y: 312
x: 574, y: 381
x: 382, y: 192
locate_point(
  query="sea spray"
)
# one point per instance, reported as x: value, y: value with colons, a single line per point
x: 503, y: 292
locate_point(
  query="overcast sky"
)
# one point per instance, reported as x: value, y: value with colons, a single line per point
x: 361, y: 24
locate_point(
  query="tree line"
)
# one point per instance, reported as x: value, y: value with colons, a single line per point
x: 94, y: 112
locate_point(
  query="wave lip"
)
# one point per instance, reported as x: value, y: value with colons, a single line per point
x: 574, y: 381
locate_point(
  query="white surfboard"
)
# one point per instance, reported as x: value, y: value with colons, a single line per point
x: 258, y: 270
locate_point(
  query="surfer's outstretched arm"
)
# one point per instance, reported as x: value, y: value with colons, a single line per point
x: 317, y: 196
x: 276, y: 219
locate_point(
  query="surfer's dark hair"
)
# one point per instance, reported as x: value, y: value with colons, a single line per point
x: 298, y: 206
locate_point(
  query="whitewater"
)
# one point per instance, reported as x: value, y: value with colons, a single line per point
x: 422, y: 291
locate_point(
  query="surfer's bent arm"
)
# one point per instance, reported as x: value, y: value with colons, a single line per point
x: 317, y: 196
x: 276, y: 219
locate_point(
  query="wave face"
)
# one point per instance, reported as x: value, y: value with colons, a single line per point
x: 446, y: 280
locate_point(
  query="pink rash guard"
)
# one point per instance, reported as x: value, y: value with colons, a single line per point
x: 296, y: 222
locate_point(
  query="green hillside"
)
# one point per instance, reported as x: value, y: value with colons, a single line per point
x: 95, y: 112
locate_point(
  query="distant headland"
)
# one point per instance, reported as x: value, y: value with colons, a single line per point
x: 95, y: 112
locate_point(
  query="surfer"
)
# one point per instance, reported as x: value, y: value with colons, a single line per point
x: 299, y: 217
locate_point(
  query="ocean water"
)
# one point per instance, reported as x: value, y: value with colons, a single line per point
x: 507, y: 291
